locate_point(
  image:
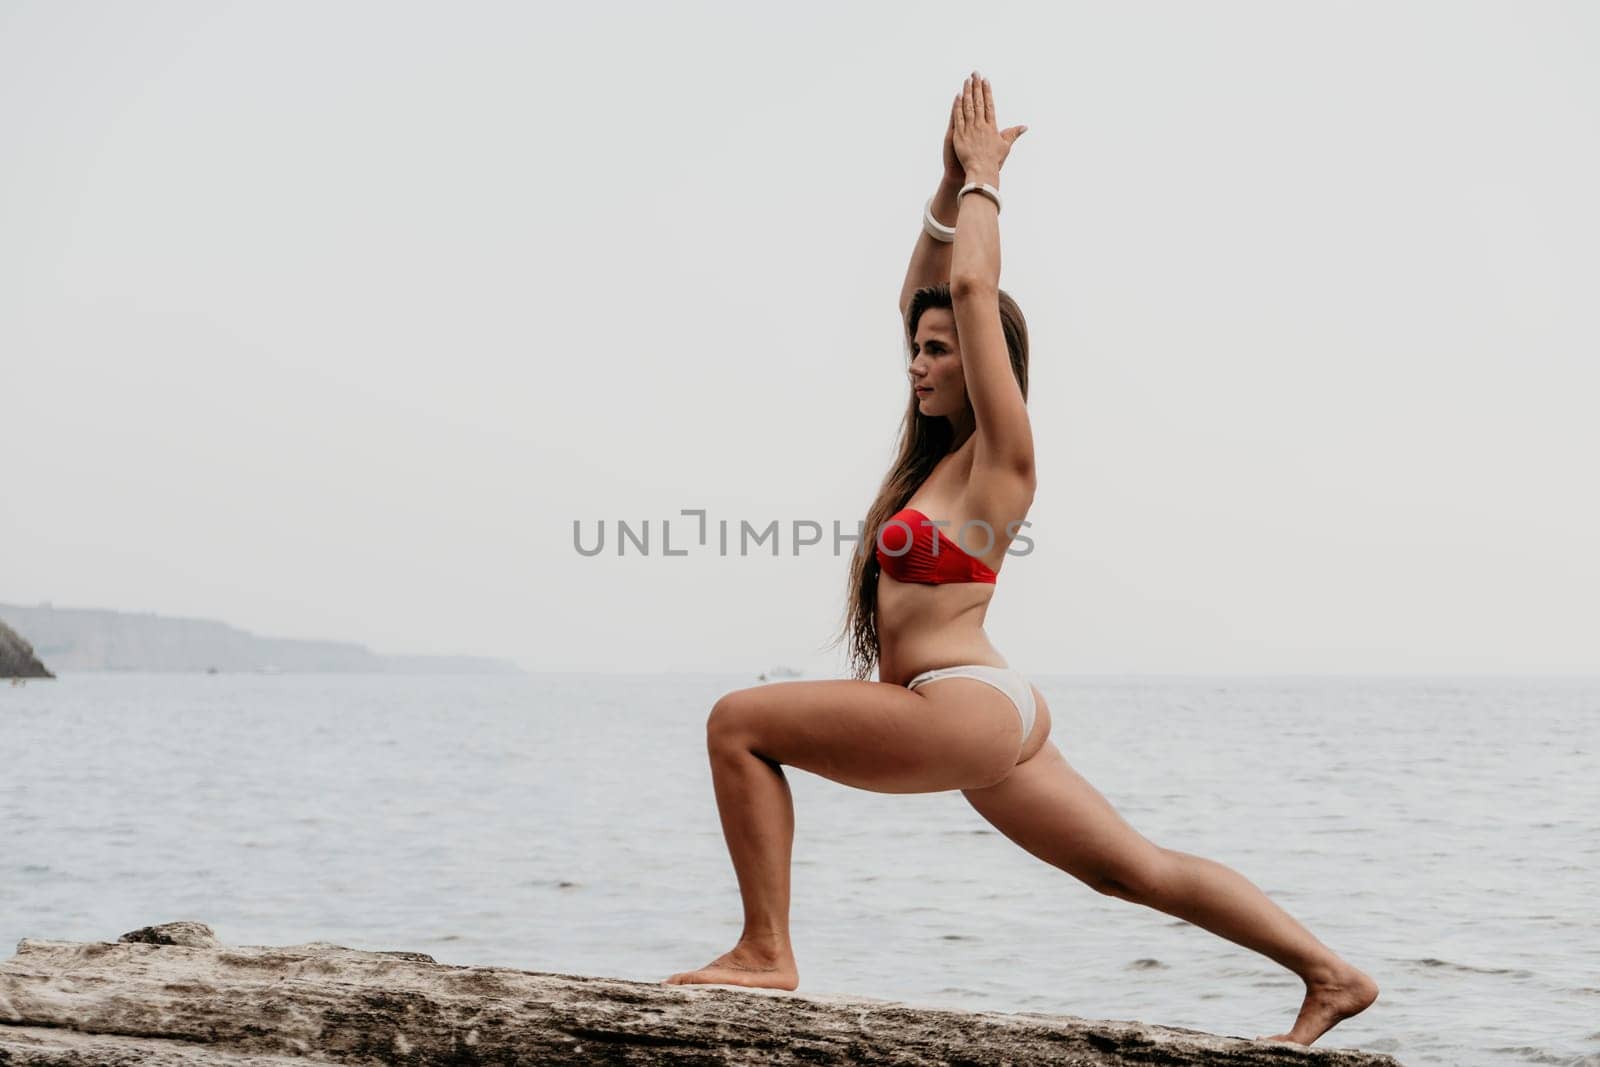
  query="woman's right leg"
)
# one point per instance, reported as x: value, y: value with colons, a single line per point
x: 1052, y: 811
x: 948, y: 735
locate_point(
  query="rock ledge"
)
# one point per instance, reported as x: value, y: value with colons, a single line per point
x: 174, y: 995
x: 16, y: 656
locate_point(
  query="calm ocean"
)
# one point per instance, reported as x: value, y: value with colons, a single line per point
x: 1443, y: 834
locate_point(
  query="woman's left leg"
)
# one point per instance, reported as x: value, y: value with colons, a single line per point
x: 1049, y: 809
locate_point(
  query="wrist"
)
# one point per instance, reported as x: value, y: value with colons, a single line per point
x: 986, y: 191
x: 946, y: 204
x: 952, y: 182
x: 983, y: 177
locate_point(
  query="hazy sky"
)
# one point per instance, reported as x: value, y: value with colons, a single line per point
x: 328, y: 320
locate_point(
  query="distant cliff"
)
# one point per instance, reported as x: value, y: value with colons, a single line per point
x: 16, y: 656
x: 84, y: 639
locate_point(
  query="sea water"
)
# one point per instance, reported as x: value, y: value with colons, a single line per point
x: 1441, y: 833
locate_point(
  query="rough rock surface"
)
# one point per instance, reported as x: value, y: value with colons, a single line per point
x: 16, y: 657
x: 172, y: 994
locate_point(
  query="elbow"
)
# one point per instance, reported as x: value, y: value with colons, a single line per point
x: 967, y: 286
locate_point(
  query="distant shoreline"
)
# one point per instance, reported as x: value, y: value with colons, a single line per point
x: 91, y: 640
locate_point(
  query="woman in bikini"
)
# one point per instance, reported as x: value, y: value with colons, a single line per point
x: 948, y: 712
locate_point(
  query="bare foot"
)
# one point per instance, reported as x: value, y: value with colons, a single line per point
x: 1328, y: 1002
x: 746, y: 966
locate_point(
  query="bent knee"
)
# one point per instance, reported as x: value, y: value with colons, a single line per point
x: 729, y: 716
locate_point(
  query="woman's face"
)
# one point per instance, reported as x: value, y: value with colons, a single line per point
x: 936, y: 364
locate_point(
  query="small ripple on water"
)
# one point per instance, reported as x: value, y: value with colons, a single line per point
x: 1530, y: 1054
x: 1429, y: 961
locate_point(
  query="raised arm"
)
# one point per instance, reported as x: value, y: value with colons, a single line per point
x: 1004, y: 435
x: 930, y: 259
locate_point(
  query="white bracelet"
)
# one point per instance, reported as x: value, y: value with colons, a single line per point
x: 933, y: 227
x: 979, y: 187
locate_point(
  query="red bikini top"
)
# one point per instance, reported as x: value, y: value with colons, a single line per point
x: 932, y: 559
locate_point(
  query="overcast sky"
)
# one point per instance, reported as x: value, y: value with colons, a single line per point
x: 328, y: 320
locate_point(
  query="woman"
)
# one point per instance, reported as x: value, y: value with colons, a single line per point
x: 948, y: 712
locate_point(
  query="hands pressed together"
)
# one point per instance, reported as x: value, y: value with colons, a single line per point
x: 974, y: 147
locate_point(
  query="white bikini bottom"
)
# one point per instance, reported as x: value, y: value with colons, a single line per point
x: 1008, y: 681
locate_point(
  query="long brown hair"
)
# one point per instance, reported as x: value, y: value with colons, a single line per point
x: 924, y: 440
